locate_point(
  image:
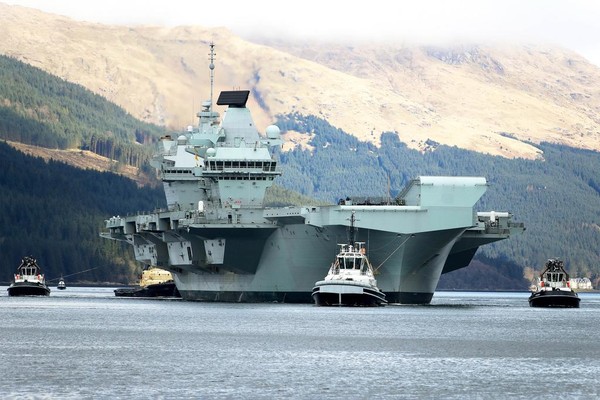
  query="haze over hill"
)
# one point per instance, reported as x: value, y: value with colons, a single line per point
x: 493, y: 99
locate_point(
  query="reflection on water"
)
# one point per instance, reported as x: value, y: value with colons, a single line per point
x: 87, y: 343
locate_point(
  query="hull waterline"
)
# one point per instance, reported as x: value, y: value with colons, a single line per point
x: 28, y: 289
x: 554, y: 298
x: 336, y: 294
x: 156, y: 290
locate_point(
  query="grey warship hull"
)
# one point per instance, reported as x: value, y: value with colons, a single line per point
x: 280, y: 261
x: 222, y: 244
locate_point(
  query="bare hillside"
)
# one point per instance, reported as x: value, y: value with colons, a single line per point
x: 83, y: 159
x: 493, y: 99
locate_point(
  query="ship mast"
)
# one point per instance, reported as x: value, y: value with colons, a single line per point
x: 211, y: 66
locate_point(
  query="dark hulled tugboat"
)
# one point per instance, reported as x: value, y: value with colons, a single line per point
x: 29, y: 280
x: 154, y: 282
x: 553, y: 288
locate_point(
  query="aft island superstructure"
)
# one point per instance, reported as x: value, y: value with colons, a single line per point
x: 222, y: 244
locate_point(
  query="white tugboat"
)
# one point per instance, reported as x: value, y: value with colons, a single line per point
x: 351, y: 279
x: 29, y: 280
x: 61, y: 284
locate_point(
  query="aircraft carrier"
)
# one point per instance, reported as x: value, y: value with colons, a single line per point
x: 222, y: 244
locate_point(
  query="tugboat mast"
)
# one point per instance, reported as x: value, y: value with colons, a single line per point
x: 352, y: 231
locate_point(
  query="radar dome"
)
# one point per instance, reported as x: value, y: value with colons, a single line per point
x: 211, y: 152
x: 273, y: 132
x: 182, y: 139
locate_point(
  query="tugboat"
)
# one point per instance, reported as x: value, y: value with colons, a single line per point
x: 29, y: 280
x: 350, y: 280
x: 61, y: 284
x: 553, y: 288
x: 154, y: 282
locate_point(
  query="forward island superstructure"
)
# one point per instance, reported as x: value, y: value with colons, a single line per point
x: 222, y: 244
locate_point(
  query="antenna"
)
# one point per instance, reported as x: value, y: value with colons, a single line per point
x: 211, y: 66
x: 351, y: 231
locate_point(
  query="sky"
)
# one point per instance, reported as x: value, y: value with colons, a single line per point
x: 573, y: 24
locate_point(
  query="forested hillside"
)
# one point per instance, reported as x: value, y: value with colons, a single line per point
x: 43, y: 110
x: 55, y: 212
x: 556, y: 196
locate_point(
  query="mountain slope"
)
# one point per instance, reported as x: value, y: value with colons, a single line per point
x: 498, y: 100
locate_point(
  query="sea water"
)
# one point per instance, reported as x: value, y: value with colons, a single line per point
x: 85, y: 343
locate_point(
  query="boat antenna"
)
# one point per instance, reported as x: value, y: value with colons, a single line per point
x: 352, y: 231
x: 211, y: 66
